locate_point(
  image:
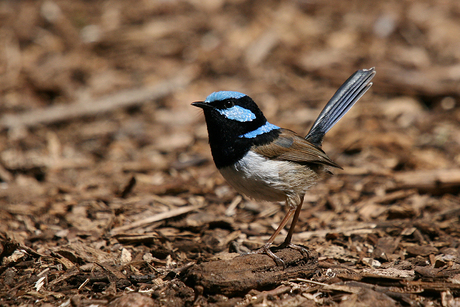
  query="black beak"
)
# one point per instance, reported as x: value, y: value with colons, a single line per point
x: 201, y: 104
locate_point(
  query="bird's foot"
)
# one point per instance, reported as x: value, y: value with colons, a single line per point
x: 266, y: 250
x: 299, y: 248
x: 280, y: 262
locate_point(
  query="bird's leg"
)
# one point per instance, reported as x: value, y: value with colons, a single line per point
x: 298, y: 207
x: 266, y: 248
x: 287, y: 241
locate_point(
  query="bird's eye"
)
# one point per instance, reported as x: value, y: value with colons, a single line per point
x: 228, y: 104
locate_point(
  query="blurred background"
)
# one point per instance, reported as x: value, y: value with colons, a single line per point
x: 93, y: 92
x: 95, y: 113
x: 109, y: 83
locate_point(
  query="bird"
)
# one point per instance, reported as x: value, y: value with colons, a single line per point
x: 269, y: 163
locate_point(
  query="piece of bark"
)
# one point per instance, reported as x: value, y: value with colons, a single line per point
x: 389, y: 274
x: 392, y: 293
x: 385, y: 247
x: 431, y: 272
x: 155, y: 218
x: 416, y: 250
x: 432, y: 81
x: 254, y: 271
x: 429, y: 286
x: 362, y: 294
x: 128, y: 187
x: 121, y: 99
x: 436, y: 181
x: 133, y: 300
x: 64, y: 276
x: 146, y: 238
x: 78, y: 252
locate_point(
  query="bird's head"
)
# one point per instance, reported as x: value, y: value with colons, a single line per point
x: 231, y: 113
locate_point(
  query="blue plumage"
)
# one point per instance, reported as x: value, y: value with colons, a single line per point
x: 261, y: 130
x: 223, y: 95
x: 238, y: 113
x: 342, y: 101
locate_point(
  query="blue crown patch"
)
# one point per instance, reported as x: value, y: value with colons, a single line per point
x: 222, y: 95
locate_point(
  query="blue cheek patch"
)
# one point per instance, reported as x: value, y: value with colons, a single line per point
x: 238, y: 113
x: 261, y: 130
x: 222, y: 95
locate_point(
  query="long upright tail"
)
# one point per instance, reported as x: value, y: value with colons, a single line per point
x: 342, y: 101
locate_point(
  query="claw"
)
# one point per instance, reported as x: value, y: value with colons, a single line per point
x: 266, y: 250
x: 299, y: 248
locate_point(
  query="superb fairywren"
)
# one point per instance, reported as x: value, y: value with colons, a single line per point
x: 266, y: 162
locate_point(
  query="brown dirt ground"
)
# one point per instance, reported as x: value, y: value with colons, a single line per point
x: 108, y: 192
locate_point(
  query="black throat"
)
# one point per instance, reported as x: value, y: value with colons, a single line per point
x: 228, y: 146
x: 234, y: 126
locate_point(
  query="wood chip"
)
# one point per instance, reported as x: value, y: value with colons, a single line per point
x: 254, y: 271
x: 152, y: 219
x: 435, y: 181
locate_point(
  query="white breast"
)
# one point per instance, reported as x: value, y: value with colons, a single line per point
x: 257, y: 177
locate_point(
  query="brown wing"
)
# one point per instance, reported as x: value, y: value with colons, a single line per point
x: 289, y: 146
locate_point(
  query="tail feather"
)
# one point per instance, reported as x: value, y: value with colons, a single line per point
x: 342, y: 101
